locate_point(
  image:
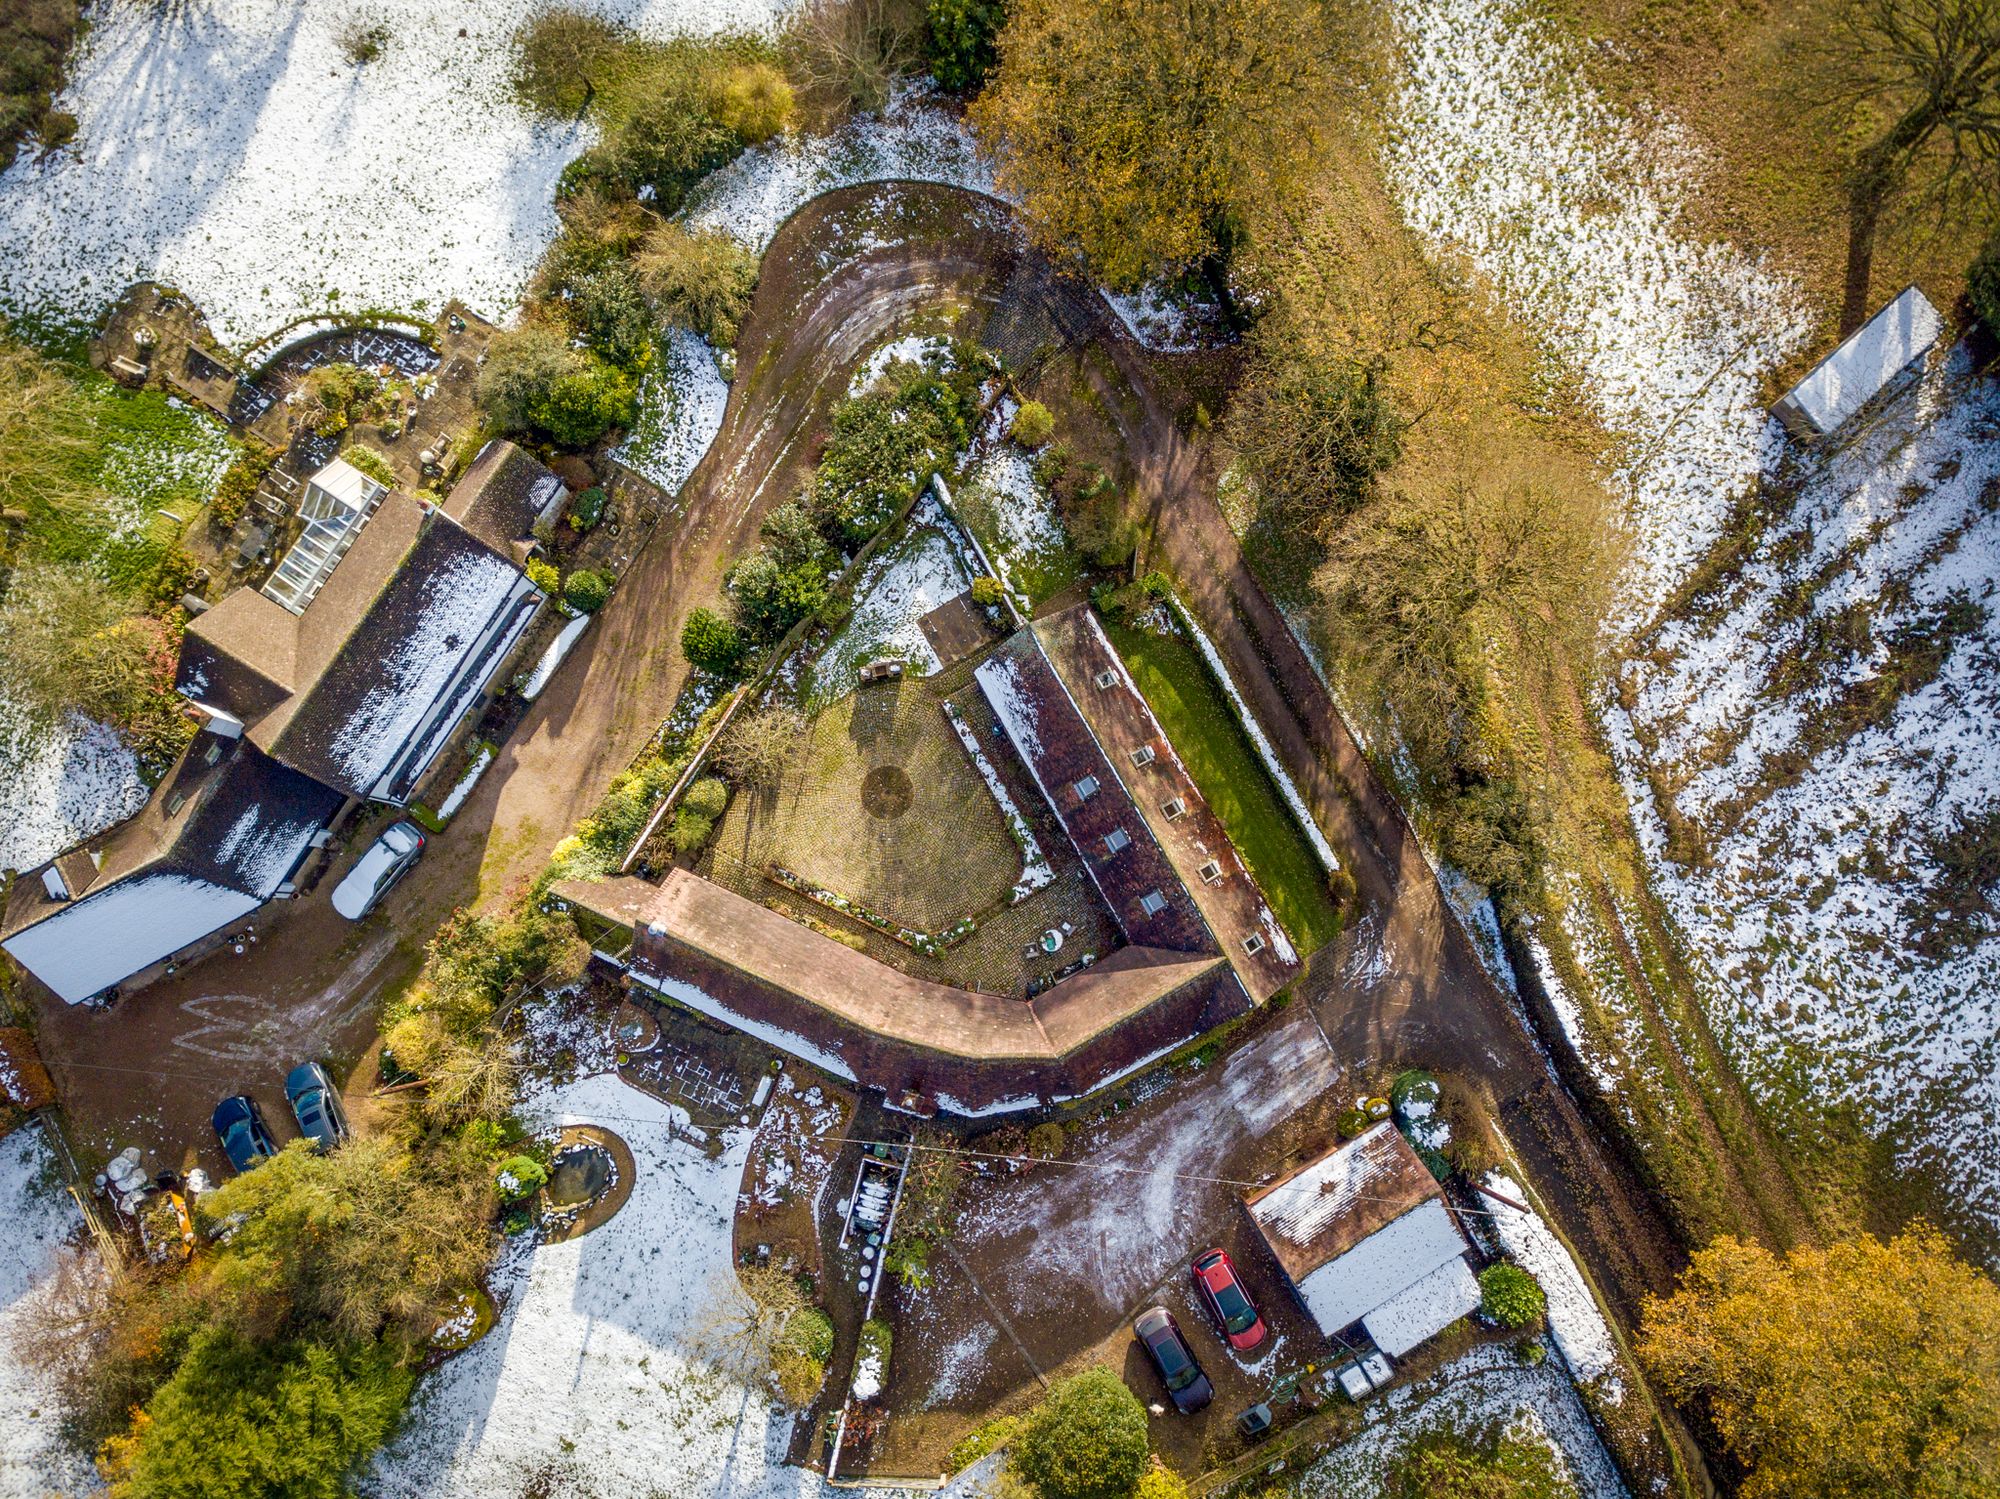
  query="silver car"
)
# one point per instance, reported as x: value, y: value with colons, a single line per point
x: 388, y: 859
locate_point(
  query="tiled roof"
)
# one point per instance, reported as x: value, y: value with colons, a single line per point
x: 502, y: 494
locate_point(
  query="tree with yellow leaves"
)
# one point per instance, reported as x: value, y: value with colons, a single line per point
x: 1865, y: 1369
x: 1139, y: 132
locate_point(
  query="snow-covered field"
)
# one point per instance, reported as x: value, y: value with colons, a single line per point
x: 40, y: 1219
x: 597, y: 1379
x: 1489, y: 1386
x: 1802, y: 909
x: 1820, y: 840
x: 1571, y: 213
x: 230, y: 148
x: 61, y: 786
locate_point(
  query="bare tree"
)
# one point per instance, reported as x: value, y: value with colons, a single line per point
x: 1931, y: 69
x: 758, y: 747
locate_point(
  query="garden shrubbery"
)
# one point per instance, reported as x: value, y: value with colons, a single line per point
x: 711, y: 643
x: 535, y: 381
x: 1510, y: 1296
x: 1086, y: 1440
x: 585, y: 591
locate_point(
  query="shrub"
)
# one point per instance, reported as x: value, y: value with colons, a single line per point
x: 519, y: 1177
x: 544, y: 576
x: 754, y: 101
x: 563, y: 56
x: 586, y: 591
x: 759, y: 746
x: 707, y: 797
x: 587, y: 509
x: 585, y: 403
x: 609, y: 312
x: 847, y: 54
x: 1086, y: 1440
x: 1982, y: 285
x: 711, y: 643
x: 1510, y: 1296
x: 699, y: 280
x: 958, y: 40
x: 987, y: 592
x: 239, y: 482
x: 1159, y: 1482
x: 769, y: 597
x: 334, y: 394
x: 689, y: 831
x: 1350, y: 1123
x: 1033, y: 425
x: 373, y: 464
x: 984, y: 1439
x: 871, y: 1360
x: 1047, y: 1139
x: 362, y: 41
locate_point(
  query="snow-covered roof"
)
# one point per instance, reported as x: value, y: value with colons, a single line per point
x: 1331, y: 1203
x: 428, y: 642
x: 1391, y: 1270
x: 1424, y: 1309
x: 1853, y: 374
x: 106, y: 937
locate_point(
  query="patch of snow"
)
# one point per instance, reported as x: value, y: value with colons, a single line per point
x: 1819, y: 848
x: 960, y: 1366
x: 1504, y: 154
x: 1569, y: 1015
x: 1575, y: 1321
x: 602, y: 1371
x: 786, y: 1041
x: 681, y: 403
x: 901, y: 584
x: 1036, y: 871
x: 1424, y: 1308
x: 867, y: 1378
x: 1486, y: 1386
x: 929, y: 349
x: 553, y: 657
x: 61, y: 785
x: 462, y: 787
x: 231, y: 150
x: 1164, y: 320
x: 914, y: 139
x: 1272, y: 765
x: 41, y: 1220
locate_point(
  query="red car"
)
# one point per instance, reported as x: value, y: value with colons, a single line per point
x: 1222, y: 1293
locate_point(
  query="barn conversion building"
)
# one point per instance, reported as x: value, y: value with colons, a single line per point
x: 341, y: 680
x: 1364, y: 1235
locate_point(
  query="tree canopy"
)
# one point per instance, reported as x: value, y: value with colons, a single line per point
x: 1086, y: 1440
x: 1864, y: 1369
x: 1139, y: 132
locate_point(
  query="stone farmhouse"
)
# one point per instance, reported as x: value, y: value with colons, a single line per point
x: 340, y: 681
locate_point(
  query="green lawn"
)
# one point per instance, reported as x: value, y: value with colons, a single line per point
x: 1212, y: 745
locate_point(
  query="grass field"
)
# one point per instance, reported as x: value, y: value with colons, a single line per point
x: 1213, y: 747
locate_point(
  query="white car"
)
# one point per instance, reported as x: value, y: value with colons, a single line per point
x: 388, y: 859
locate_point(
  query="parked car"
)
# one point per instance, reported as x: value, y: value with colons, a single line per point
x: 388, y: 859
x: 1170, y: 1353
x: 1222, y: 1293
x: 315, y: 1104
x: 239, y: 1125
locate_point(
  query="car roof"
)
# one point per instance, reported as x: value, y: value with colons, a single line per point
x: 306, y: 1075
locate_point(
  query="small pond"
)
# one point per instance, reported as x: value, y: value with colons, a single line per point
x: 578, y: 1176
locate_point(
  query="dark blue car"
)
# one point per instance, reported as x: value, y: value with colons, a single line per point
x: 240, y: 1128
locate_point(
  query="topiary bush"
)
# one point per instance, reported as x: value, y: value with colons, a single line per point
x: 1086, y: 1440
x: 707, y: 797
x: 519, y: 1177
x: 712, y: 643
x: 1033, y: 425
x: 987, y: 592
x: 586, y: 591
x: 1510, y: 1296
x: 1160, y: 1482
x: 587, y: 509
x: 544, y: 576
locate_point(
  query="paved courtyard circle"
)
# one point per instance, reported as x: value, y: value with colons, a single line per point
x: 886, y: 792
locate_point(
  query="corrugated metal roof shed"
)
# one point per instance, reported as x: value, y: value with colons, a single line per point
x: 1856, y: 372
